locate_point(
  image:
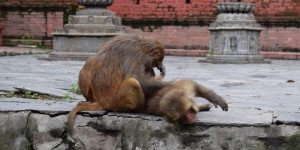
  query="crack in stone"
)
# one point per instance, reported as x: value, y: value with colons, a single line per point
x: 21, y: 90
x: 62, y: 142
x: 27, y: 120
x: 52, y: 114
x: 28, y: 132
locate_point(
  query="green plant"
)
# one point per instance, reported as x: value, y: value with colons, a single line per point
x: 71, y: 10
x: 68, y: 96
x: 30, y: 94
x: 75, y: 88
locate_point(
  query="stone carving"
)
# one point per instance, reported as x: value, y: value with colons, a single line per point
x: 71, y: 19
x: 238, y: 32
x: 110, y: 20
x: 90, y: 19
x: 216, y: 40
x: 223, y: 45
x: 235, y: 7
x: 252, y: 44
x: 233, y: 43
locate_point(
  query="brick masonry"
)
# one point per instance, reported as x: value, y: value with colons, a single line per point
x: 177, y: 23
x: 197, y: 37
x: 182, y: 9
x: 32, y: 21
x: 279, y: 18
x: 32, y: 24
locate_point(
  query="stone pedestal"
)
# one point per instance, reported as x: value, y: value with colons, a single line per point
x: 86, y: 31
x: 235, y: 35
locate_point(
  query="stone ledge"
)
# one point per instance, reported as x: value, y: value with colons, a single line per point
x: 234, y: 117
x: 24, y: 126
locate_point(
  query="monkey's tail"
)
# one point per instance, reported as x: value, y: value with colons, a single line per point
x: 75, y: 110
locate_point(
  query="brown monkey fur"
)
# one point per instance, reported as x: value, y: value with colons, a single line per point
x: 120, y: 76
x: 176, y: 101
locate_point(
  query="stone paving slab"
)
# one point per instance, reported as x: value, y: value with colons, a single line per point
x: 287, y: 118
x: 253, y: 91
x: 45, y: 106
x: 236, y: 117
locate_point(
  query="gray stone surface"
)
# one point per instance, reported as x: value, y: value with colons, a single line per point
x: 287, y: 118
x: 28, y: 72
x: 13, y: 130
x: 46, y: 106
x: 254, y: 88
x: 263, y: 109
x: 236, y: 117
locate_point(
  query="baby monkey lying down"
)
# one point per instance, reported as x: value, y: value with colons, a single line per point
x: 176, y: 102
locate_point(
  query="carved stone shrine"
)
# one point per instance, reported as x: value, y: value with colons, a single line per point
x: 86, y: 31
x: 235, y: 35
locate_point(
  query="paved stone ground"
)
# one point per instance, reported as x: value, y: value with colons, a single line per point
x: 258, y: 94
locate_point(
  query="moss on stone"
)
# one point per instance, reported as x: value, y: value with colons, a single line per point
x: 293, y: 142
x: 261, y: 145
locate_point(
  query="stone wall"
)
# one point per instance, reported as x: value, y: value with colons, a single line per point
x: 47, y: 130
x: 178, y: 23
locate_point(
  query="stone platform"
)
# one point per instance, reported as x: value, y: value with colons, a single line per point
x: 264, y: 109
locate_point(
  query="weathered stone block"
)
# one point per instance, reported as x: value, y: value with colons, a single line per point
x: 13, y: 130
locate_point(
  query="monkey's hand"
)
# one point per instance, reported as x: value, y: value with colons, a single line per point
x: 217, y: 100
x: 162, y: 70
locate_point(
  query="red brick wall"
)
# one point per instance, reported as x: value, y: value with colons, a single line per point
x: 39, y: 3
x: 192, y: 37
x: 280, y: 39
x: 199, y: 8
x: 183, y: 25
x: 31, y: 21
x: 33, y: 24
x: 197, y: 37
x: 175, y: 22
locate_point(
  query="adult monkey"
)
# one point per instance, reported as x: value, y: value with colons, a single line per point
x: 120, y: 76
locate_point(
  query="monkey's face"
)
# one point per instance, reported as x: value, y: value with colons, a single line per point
x: 177, y: 106
x: 189, y: 117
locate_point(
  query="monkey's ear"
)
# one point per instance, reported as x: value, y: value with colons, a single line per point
x: 155, y: 53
